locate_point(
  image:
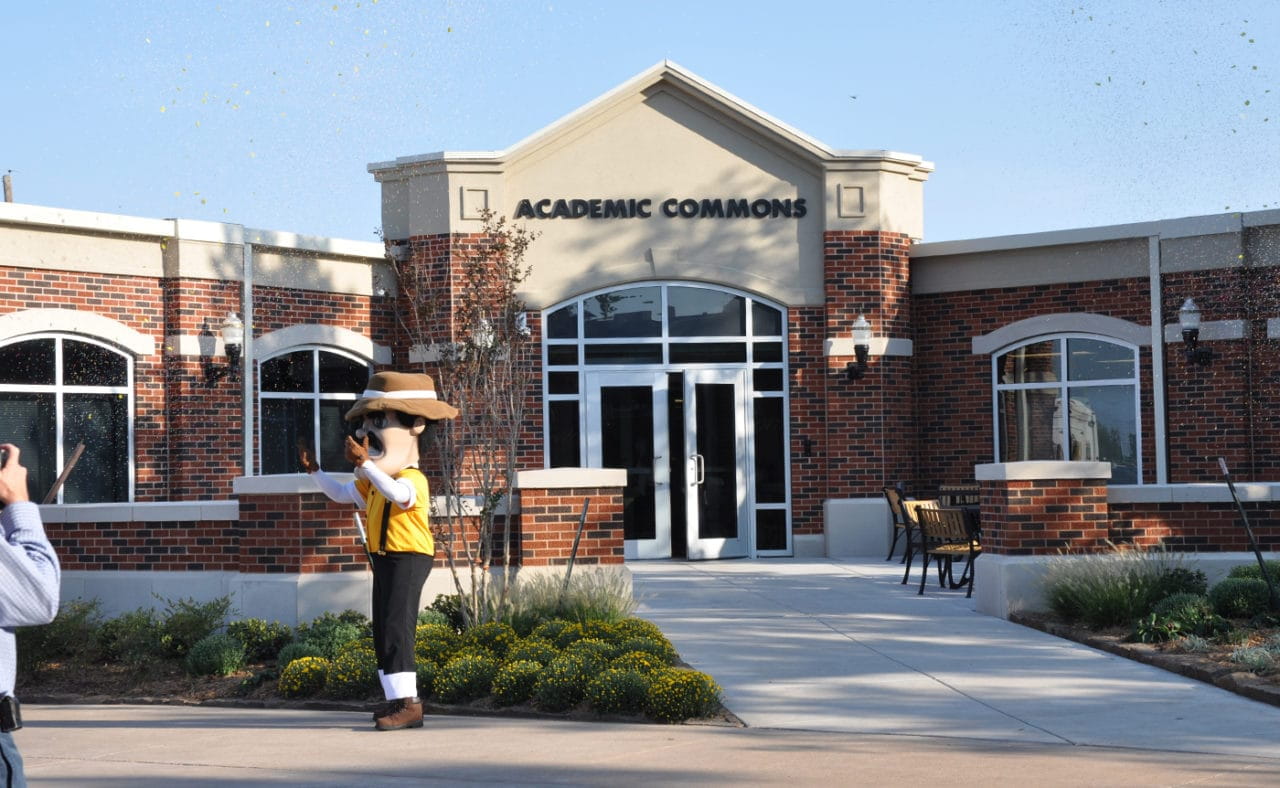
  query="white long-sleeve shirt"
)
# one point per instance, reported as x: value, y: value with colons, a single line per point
x: 29, y: 581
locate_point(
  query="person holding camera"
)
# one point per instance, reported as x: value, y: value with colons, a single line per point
x: 29, y: 588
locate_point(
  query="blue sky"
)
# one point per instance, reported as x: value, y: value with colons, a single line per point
x: 1038, y: 115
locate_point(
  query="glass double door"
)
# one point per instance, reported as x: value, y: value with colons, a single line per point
x: 682, y: 438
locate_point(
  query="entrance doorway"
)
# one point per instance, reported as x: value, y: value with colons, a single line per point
x: 684, y: 387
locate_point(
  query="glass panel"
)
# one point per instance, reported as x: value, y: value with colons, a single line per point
x: 27, y: 363
x: 566, y: 446
x: 765, y: 320
x: 292, y: 372
x: 1104, y: 428
x: 717, y: 443
x: 767, y: 379
x: 697, y: 312
x: 708, y: 352
x: 333, y: 432
x: 563, y: 323
x: 771, y: 457
x: 767, y: 351
x: 1090, y: 359
x: 771, y: 529
x: 626, y: 424
x: 1027, y: 420
x: 623, y: 354
x: 27, y: 421
x: 1039, y: 362
x: 342, y: 375
x: 84, y: 364
x: 562, y: 355
x: 284, y: 421
x: 101, y: 421
x: 562, y: 383
x: 624, y: 313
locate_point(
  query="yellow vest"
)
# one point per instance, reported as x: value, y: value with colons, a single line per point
x: 407, y: 530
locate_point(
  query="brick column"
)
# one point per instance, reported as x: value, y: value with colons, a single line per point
x: 1042, y: 508
x: 550, y: 506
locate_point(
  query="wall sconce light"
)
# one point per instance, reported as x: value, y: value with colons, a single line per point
x: 861, y: 349
x: 1189, y: 319
x: 232, y: 331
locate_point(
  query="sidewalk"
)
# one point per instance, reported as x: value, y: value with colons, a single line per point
x: 842, y: 675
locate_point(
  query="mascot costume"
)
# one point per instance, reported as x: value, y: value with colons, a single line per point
x: 393, y: 414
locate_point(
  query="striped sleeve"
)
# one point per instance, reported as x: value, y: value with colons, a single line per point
x: 29, y: 571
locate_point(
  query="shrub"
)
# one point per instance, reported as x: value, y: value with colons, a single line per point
x: 637, y: 627
x: 606, y: 631
x: 1180, y: 580
x: 295, y: 650
x: 426, y: 672
x: 1194, y: 644
x: 1175, y: 616
x: 465, y: 678
x: 595, y: 654
x: 561, y: 685
x: 639, y: 661
x: 659, y: 647
x: 74, y: 634
x: 303, y: 677
x: 1255, y: 659
x: 496, y: 637
x: 532, y: 650
x: 261, y: 640
x: 676, y: 695
x: 329, y: 633
x: 569, y: 635
x: 436, y: 643
x: 218, y: 654
x: 429, y: 615
x: 514, y: 681
x: 450, y: 606
x: 1108, y: 589
x: 618, y: 691
x: 186, y: 622
x: 354, y: 672
x: 1240, y: 597
x: 550, y: 629
x: 1254, y: 572
x: 132, y: 639
x: 594, y: 594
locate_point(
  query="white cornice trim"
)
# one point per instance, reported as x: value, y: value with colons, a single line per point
x: 1209, y: 330
x: 568, y: 478
x: 70, y: 321
x: 1041, y: 470
x: 880, y: 346
x: 1062, y: 323
x: 275, y: 342
x: 20, y: 213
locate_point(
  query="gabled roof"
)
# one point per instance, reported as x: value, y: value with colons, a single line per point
x: 691, y: 85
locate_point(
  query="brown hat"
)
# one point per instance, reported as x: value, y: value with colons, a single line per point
x: 405, y: 392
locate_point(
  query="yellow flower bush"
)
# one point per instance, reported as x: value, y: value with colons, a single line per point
x: 617, y: 691
x: 676, y: 695
x: 303, y: 677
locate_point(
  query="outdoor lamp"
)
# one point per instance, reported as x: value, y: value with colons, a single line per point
x: 861, y: 348
x: 232, y: 331
x: 1189, y: 319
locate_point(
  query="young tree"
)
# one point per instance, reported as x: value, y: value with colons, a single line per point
x: 463, y: 313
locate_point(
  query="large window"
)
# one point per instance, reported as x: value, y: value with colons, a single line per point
x: 57, y: 392
x: 1071, y: 397
x: 304, y: 396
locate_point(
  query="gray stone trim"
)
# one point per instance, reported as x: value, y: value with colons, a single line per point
x: 1063, y: 323
x: 1210, y: 330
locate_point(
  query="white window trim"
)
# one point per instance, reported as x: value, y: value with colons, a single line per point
x: 313, y: 396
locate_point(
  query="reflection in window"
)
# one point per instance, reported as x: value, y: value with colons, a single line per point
x: 57, y: 392
x: 699, y: 312
x: 305, y: 395
x: 1087, y: 411
x: 636, y: 312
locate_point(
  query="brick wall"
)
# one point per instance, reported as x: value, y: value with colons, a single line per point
x: 1044, y: 516
x: 549, y: 523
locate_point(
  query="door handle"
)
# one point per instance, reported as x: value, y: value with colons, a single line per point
x: 699, y: 468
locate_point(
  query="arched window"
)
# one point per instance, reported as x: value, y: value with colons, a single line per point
x: 57, y: 391
x: 304, y: 396
x: 1069, y: 397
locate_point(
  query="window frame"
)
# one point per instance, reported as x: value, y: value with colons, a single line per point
x: 59, y: 390
x: 1064, y: 385
x: 315, y: 395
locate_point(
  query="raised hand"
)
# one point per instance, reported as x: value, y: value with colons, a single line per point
x: 307, y: 459
x: 357, y: 453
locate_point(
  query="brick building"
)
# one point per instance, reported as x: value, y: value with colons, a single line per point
x: 697, y: 279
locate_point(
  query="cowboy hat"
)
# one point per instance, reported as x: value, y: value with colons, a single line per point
x: 405, y: 392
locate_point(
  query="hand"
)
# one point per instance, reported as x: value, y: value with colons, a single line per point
x: 13, y: 476
x: 307, y: 459
x: 357, y: 453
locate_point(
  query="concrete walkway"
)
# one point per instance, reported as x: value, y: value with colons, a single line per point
x: 842, y: 675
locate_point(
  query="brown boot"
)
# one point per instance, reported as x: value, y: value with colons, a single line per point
x: 402, y: 713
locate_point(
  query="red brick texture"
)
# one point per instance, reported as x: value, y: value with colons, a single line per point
x: 1044, y: 517
x: 549, y: 524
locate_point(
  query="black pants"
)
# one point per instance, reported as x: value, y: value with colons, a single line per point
x: 397, y: 589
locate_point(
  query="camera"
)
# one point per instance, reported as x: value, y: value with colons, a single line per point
x: 10, y: 714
